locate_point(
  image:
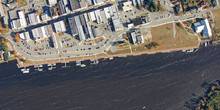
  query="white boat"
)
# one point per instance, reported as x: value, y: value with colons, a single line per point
x: 78, y: 63
x: 83, y: 65
x: 40, y: 69
x: 40, y: 65
x: 184, y: 50
x: 111, y: 58
x: 94, y: 61
x: 26, y: 71
x: 50, y: 68
x: 190, y: 50
x: 35, y: 66
x: 54, y: 64
x: 22, y: 69
x: 49, y: 64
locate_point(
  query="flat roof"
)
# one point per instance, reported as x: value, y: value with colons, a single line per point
x: 74, y: 4
x: 72, y: 25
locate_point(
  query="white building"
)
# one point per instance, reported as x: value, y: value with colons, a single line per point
x: 60, y: 26
x: 107, y: 12
x: 198, y: 27
x: 204, y: 27
x: 15, y: 24
x: 33, y: 18
x: 25, y: 36
x: 22, y: 20
x: 44, y: 16
x: 207, y: 30
x: 52, y: 2
x: 127, y: 6
x: 92, y: 16
x: 117, y: 25
x: 98, y: 16
x: 79, y: 28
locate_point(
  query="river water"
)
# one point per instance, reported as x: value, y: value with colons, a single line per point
x: 163, y: 81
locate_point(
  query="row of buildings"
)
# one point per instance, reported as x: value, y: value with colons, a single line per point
x: 80, y: 25
x: 66, y: 6
x: 43, y: 32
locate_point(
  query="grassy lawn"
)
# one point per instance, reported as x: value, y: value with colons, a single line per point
x: 216, y: 14
x: 163, y: 35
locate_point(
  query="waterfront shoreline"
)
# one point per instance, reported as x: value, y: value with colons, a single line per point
x: 63, y: 60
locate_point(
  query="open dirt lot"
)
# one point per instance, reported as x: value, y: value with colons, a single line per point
x: 163, y: 35
x: 216, y: 14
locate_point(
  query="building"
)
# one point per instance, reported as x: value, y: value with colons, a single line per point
x: 59, y: 26
x: 37, y: 34
x: 127, y: 6
x: 84, y: 25
x: 25, y: 36
x: 52, y: 2
x: 207, y: 30
x: 117, y: 25
x: 104, y: 19
x: 135, y: 2
x: 74, y: 4
x: 130, y: 25
x: 107, y: 12
x: 137, y: 37
x: 61, y: 7
x: 203, y: 27
x: 47, y: 31
x: 198, y: 27
x: 22, y: 19
x: 98, y: 16
x: 33, y: 18
x: 53, y: 12
x: 65, y: 2
x: 15, y: 24
x: 12, y: 5
x: 88, y: 26
x: 79, y: 28
x: 177, y: 9
x: 42, y: 32
x: 96, y: 2
x: 72, y: 25
x: 92, y: 16
x: 44, y: 16
x: 12, y: 14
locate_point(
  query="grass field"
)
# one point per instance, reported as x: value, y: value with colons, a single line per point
x: 216, y: 14
x: 163, y: 35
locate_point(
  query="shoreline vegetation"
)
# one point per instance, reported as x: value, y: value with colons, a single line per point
x: 211, y: 100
